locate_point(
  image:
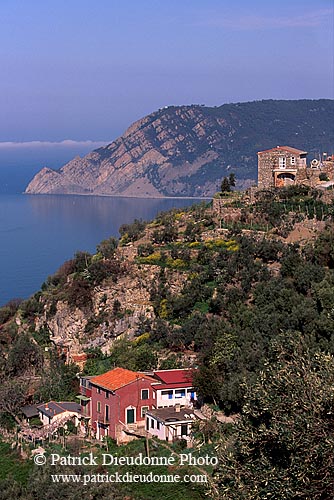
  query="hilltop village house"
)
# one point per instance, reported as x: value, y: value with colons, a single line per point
x: 115, y: 403
x: 284, y: 166
x: 278, y: 167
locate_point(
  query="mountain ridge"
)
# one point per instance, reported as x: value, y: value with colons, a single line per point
x: 186, y: 150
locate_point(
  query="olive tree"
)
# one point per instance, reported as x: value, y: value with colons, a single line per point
x: 283, y: 444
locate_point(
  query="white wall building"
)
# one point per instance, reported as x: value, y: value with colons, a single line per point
x: 174, y: 387
x: 170, y: 424
x: 52, y: 412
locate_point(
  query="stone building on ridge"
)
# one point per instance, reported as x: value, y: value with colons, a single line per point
x: 280, y: 166
x: 285, y: 166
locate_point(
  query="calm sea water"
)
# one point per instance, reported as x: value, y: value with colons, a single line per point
x: 38, y: 233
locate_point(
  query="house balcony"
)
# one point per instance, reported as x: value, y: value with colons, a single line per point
x: 291, y: 170
x: 85, y: 405
x: 85, y: 391
x: 102, y: 419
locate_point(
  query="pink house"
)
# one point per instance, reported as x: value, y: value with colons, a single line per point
x: 116, y: 402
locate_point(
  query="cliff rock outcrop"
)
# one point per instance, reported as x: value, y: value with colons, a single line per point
x: 186, y: 150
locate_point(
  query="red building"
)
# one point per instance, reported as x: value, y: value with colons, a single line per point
x: 116, y: 401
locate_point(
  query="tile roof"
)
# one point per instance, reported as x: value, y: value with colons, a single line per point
x: 178, y: 385
x: 182, y: 376
x: 117, y: 378
x: 79, y: 357
x: 284, y: 148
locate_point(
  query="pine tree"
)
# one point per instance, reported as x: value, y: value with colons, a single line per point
x: 225, y: 185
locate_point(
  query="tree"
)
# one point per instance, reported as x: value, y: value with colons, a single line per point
x: 132, y: 232
x: 59, y: 382
x: 324, y: 248
x: 207, y: 382
x: 168, y: 234
x: 81, y: 261
x: 192, y: 232
x: 228, y: 183
x: 225, y: 186
x: 282, y: 446
x: 25, y: 356
x: 13, y: 395
x: 107, y: 247
x: 323, y: 176
x: 231, y: 179
x: 145, y: 358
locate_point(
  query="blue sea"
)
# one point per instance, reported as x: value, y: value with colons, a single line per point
x: 38, y: 233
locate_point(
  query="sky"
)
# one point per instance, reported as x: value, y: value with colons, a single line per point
x: 84, y: 70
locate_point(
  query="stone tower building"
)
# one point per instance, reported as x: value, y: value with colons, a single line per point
x: 281, y: 166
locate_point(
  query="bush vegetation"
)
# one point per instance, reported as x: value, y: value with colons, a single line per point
x: 255, y: 311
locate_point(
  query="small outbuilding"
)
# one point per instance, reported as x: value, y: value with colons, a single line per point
x: 170, y: 424
x: 53, y: 412
x: 29, y: 412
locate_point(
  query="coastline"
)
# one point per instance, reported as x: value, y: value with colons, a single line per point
x: 123, y: 196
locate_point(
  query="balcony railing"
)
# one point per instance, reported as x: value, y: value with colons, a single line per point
x: 85, y: 391
x: 103, y: 419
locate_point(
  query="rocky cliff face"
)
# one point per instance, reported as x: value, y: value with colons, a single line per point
x: 98, y: 326
x: 186, y: 150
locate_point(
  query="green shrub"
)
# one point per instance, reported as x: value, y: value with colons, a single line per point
x: 323, y: 177
x: 145, y: 249
x: 132, y: 232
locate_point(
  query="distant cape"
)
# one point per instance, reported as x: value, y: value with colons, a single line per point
x: 187, y: 150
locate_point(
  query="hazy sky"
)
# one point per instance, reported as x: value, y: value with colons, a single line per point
x: 85, y: 69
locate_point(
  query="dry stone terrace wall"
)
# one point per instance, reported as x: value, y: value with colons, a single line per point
x: 228, y: 214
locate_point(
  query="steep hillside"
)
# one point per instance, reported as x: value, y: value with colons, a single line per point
x: 217, y: 287
x: 186, y: 150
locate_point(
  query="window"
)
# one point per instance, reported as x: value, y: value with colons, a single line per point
x: 144, y: 409
x: 144, y: 393
x: 152, y: 423
x: 98, y: 407
x: 167, y: 394
x: 192, y: 393
x: 282, y: 162
x: 184, y: 430
x: 180, y: 393
x: 107, y: 395
x: 98, y: 390
x: 158, y: 425
x: 147, y: 424
x: 293, y: 160
x: 107, y: 413
x: 85, y: 383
